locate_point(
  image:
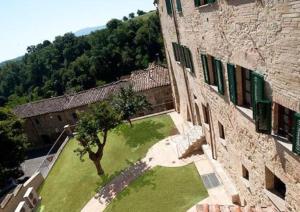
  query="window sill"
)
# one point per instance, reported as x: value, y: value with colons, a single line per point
x: 223, y: 142
x: 283, y: 141
x: 245, y: 182
x: 214, y: 87
x: 276, y: 200
x: 246, y: 111
x: 206, y: 5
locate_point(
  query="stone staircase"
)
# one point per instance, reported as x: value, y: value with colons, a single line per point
x: 189, y: 142
x: 233, y: 208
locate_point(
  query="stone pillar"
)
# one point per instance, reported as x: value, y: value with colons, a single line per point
x: 68, y: 130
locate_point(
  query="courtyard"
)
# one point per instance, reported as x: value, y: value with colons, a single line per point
x: 72, y: 183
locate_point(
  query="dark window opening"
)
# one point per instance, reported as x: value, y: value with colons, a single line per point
x: 59, y: 118
x: 205, y: 114
x: 247, y: 93
x: 245, y: 172
x: 221, y: 131
x: 75, y: 117
x: 285, y: 122
x: 37, y: 121
x: 275, y: 185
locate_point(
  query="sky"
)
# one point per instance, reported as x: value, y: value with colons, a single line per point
x: 29, y: 22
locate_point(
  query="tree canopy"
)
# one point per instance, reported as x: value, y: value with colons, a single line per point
x: 70, y: 64
x: 93, y: 126
x: 12, y: 146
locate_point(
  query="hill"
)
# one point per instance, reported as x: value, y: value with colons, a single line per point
x: 88, y: 30
x: 74, y: 63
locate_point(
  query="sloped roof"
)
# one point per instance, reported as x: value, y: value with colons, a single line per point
x: 153, y: 76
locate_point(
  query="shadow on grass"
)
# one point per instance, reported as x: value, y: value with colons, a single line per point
x: 118, y: 181
x: 141, y: 133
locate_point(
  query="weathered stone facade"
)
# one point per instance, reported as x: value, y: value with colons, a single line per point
x: 258, y: 35
x: 45, y: 119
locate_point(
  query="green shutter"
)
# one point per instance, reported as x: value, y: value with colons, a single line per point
x: 175, y: 51
x: 296, y: 135
x: 182, y: 57
x: 169, y: 7
x: 263, y: 119
x: 178, y: 3
x: 258, y: 86
x: 197, y: 3
x: 232, y: 83
x: 211, y: 1
x: 220, y: 81
x: 187, y: 57
x: 205, y: 68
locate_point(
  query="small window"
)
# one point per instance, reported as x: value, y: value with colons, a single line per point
x: 245, y: 172
x: 37, y: 121
x: 275, y: 185
x: 59, y: 118
x: 205, y: 114
x: 75, y: 117
x: 221, y: 131
x: 285, y: 122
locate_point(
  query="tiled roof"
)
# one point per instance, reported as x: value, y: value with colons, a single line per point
x: 154, y: 76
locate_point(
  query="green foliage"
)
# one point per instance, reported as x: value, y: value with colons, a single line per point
x: 12, y: 145
x: 99, y: 120
x: 128, y: 103
x: 71, y: 63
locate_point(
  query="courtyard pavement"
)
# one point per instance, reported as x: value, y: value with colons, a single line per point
x: 164, y: 153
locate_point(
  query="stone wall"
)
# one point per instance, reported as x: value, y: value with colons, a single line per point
x: 12, y: 200
x: 258, y: 35
x: 45, y: 129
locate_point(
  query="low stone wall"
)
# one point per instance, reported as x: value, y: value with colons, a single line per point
x: 12, y: 200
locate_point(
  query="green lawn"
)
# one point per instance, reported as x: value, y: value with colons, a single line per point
x: 161, y: 189
x: 72, y: 183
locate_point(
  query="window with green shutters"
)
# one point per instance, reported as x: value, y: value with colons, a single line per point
x: 178, y: 4
x: 169, y: 6
x: 232, y: 83
x: 182, y: 56
x: 197, y: 3
x: 205, y: 68
x: 296, y: 136
x: 258, y: 87
x: 263, y: 119
x: 189, y: 60
x: 174, y: 45
x: 219, y: 76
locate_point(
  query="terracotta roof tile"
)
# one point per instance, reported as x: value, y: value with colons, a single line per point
x: 154, y: 76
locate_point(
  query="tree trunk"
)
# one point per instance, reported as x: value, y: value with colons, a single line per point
x: 129, y: 121
x: 99, y: 168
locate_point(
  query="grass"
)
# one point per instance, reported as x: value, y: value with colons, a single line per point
x: 72, y: 182
x: 161, y: 189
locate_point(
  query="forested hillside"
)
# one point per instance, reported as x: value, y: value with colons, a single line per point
x: 71, y: 63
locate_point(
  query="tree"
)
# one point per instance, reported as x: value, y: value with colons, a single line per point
x: 125, y: 18
x: 131, y: 15
x: 140, y: 12
x: 12, y: 146
x: 98, y: 121
x: 128, y: 103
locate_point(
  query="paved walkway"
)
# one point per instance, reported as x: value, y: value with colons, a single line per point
x: 163, y: 153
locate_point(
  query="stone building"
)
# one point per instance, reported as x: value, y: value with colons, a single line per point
x: 235, y: 71
x: 45, y: 119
